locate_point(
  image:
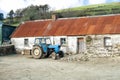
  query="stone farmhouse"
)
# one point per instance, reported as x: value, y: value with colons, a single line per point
x: 93, y: 34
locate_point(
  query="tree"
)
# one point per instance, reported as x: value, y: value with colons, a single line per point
x: 1, y: 16
x: 11, y: 15
x: 32, y: 12
x: 45, y: 10
x: 18, y: 15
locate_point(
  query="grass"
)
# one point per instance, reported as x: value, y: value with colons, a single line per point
x: 6, y: 22
x: 91, y: 10
x: 15, y: 24
x: 97, y: 6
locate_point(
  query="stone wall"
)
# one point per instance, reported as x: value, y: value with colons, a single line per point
x: 5, y: 50
x: 96, y: 47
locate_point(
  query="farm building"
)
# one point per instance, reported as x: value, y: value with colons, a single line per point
x: 5, y: 32
x: 75, y: 35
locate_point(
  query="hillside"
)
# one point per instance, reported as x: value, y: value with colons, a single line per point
x: 91, y: 10
x: 43, y: 12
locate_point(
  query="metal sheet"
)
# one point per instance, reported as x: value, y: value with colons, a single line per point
x: 72, y: 26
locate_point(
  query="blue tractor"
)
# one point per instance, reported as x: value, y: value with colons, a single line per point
x: 43, y: 48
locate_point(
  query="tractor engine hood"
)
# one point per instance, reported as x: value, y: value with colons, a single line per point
x: 54, y: 46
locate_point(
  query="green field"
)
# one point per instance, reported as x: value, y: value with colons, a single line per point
x: 97, y: 6
x: 91, y: 10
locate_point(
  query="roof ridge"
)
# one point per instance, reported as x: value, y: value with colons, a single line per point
x: 38, y: 20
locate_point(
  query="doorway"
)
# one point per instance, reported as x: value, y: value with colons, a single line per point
x: 80, y: 45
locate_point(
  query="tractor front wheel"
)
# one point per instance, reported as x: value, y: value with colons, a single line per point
x: 37, y: 52
x: 61, y: 54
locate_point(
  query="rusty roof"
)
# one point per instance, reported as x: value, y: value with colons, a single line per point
x: 31, y: 29
x: 109, y: 24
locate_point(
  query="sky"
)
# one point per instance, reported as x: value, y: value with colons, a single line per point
x: 7, y: 5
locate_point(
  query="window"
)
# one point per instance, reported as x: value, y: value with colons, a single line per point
x: 107, y: 42
x: 26, y: 42
x: 43, y: 40
x: 63, y: 41
x: 37, y: 41
x: 48, y: 41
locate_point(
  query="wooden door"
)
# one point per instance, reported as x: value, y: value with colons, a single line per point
x: 80, y: 45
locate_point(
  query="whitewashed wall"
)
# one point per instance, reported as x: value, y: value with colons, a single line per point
x: 115, y: 39
x: 19, y: 43
x: 71, y: 45
x: 56, y: 41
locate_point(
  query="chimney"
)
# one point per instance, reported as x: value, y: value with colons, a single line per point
x: 54, y: 17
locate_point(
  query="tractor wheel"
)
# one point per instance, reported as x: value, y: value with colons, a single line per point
x: 61, y: 54
x: 37, y: 52
x: 54, y: 55
x: 46, y: 56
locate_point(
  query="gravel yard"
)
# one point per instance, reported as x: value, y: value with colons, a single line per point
x: 19, y: 67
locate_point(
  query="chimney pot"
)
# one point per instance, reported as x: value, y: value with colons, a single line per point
x: 54, y: 16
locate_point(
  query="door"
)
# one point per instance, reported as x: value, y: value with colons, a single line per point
x: 80, y: 45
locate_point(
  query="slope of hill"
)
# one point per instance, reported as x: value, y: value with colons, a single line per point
x: 91, y: 10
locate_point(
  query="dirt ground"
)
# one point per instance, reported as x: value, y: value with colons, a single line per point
x: 19, y: 67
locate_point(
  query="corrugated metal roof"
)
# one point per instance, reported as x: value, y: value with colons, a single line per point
x: 31, y: 29
x: 72, y: 26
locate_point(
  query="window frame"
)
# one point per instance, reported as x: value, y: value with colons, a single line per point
x: 107, y: 42
x: 26, y: 42
x: 63, y: 41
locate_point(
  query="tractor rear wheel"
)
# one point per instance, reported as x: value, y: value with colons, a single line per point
x: 54, y: 55
x: 37, y: 52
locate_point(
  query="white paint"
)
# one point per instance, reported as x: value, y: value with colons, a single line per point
x: 19, y: 43
x: 56, y: 40
x: 71, y: 45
